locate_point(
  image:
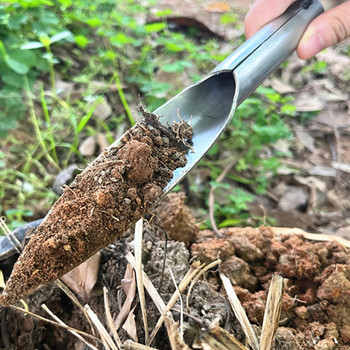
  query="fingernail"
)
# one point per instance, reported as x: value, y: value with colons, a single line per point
x: 310, y: 46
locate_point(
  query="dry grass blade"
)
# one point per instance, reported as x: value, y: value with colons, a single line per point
x: 74, y: 299
x: 131, y: 345
x: 206, y: 268
x: 60, y: 325
x: 240, y: 313
x: 139, y: 279
x: 106, y: 339
x: 10, y: 236
x: 225, y: 338
x: 181, y: 306
x: 151, y: 289
x: 272, y: 312
x: 311, y: 236
x: 109, y: 318
x: 191, y: 273
x: 70, y: 330
x: 175, y: 338
x: 218, y: 339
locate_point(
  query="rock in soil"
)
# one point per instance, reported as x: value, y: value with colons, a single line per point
x: 100, y: 205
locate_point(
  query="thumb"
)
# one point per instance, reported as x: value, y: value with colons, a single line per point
x: 330, y: 28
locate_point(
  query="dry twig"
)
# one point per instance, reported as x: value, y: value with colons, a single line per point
x: 272, y: 312
x: 131, y: 345
x: 218, y: 338
x: 151, y: 289
x: 70, y: 330
x: 106, y: 338
x: 138, y: 270
x: 240, y: 313
x: 75, y: 300
x: 206, y: 268
x: 191, y: 273
x: 61, y: 325
x: 109, y: 318
x: 10, y: 236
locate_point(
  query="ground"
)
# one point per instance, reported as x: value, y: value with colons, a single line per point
x: 309, y: 189
x: 315, y: 304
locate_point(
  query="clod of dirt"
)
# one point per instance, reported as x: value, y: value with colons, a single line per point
x: 177, y: 257
x: 100, y: 205
x: 212, y: 249
x: 315, y: 308
x: 176, y: 218
x: 239, y: 273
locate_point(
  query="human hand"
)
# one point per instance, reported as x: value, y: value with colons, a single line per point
x: 331, y: 27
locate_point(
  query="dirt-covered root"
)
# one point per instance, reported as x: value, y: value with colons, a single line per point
x: 99, y: 206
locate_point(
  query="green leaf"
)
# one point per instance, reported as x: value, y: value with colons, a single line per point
x: 230, y: 223
x: 81, y: 40
x: 60, y: 36
x: 65, y: 3
x: 164, y: 13
x: 121, y: 39
x: 176, y: 67
x: 16, y: 66
x: 26, y: 57
x: 154, y: 27
x: 11, y: 78
x: 93, y: 22
x: 174, y: 47
x: 15, y: 21
x: 32, y: 45
x: 45, y: 40
x: 228, y: 18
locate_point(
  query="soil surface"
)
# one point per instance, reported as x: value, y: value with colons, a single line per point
x: 315, y: 309
x: 99, y: 206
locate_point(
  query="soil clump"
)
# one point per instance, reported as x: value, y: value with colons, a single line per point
x: 118, y: 188
x: 315, y: 308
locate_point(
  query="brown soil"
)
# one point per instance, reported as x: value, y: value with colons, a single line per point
x: 316, y: 301
x: 100, y: 205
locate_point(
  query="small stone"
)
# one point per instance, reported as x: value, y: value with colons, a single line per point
x: 88, y: 147
x: 127, y: 200
x: 102, y: 110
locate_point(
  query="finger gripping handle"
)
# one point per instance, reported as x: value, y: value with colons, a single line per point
x: 253, y: 61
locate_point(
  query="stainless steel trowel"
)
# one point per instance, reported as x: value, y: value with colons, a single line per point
x: 209, y: 105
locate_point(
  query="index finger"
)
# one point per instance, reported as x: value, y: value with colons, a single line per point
x: 262, y: 12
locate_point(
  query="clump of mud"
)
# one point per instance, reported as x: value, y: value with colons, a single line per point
x: 316, y: 301
x: 99, y: 206
x: 176, y: 218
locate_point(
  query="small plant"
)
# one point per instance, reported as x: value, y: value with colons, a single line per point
x: 257, y: 124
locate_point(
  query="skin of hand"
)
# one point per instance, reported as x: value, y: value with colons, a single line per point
x: 331, y: 27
